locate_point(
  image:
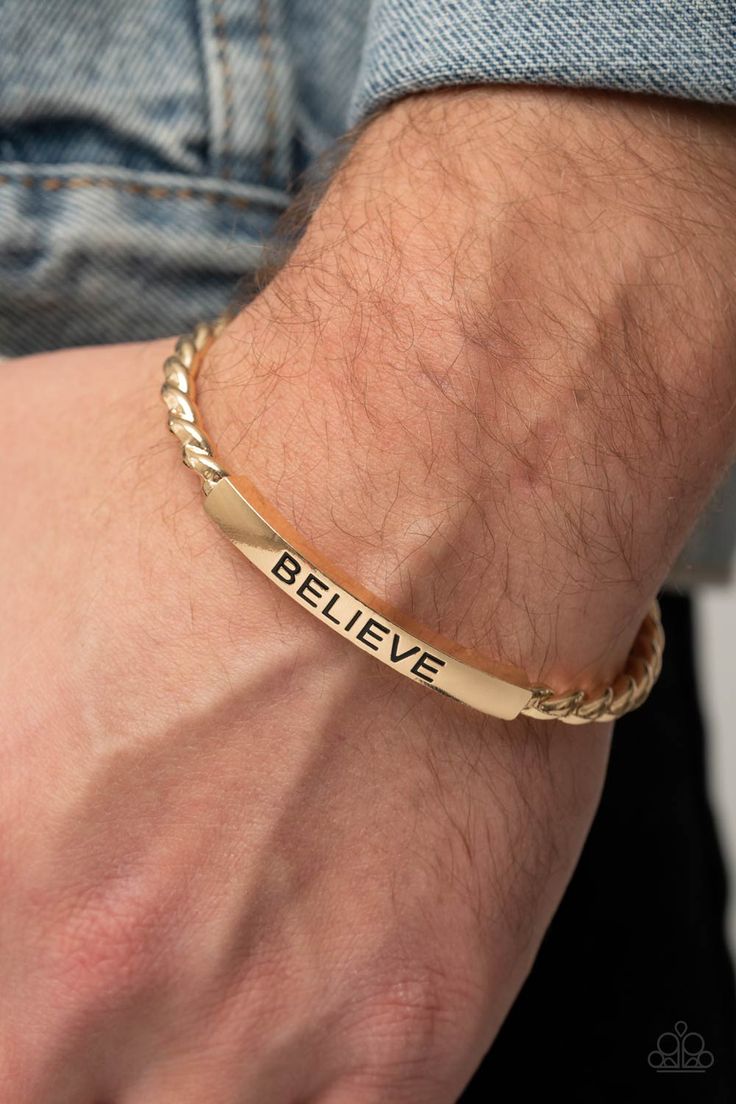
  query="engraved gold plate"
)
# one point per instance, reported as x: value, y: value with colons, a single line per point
x: 348, y: 608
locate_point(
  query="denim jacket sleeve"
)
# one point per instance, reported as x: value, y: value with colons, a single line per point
x: 667, y: 47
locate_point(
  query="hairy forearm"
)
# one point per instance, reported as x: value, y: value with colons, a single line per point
x: 495, y: 376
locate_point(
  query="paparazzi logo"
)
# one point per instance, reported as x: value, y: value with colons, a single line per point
x: 680, y: 1051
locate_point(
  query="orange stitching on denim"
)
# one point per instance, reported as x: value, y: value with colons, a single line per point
x: 227, y: 85
x: 130, y: 187
x: 269, y: 70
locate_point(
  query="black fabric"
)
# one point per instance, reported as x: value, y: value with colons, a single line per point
x: 637, y: 944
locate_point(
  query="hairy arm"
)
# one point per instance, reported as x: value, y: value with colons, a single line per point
x: 477, y: 376
x: 242, y: 861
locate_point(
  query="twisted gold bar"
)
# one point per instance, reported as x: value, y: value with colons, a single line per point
x: 179, y: 394
x: 274, y: 546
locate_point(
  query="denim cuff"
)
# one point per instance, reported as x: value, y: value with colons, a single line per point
x: 666, y: 47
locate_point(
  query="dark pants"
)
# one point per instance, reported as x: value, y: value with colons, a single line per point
x: 637, y: 944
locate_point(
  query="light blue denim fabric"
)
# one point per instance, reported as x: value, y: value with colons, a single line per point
x: 148, y: 146
x: 146, y: 149
x: 666, y: 47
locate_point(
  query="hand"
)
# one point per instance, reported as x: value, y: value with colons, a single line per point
x: 243, y: 861
x: 240, y: 860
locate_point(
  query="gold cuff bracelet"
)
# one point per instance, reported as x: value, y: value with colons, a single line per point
x: 272, y: 545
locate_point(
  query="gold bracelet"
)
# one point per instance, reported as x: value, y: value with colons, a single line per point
x: 270, y: 542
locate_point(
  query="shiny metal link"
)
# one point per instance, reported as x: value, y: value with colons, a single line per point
x: 179, y: 393
x: 627, y: 692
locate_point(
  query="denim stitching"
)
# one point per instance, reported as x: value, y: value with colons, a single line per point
x: 227, y: 86
x: 149, y: 191
x: 271, y: 92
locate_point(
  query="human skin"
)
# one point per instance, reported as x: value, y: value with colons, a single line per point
x: 241, y: 860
